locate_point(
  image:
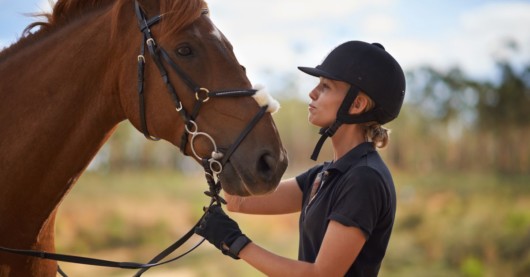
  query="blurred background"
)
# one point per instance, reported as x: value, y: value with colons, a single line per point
x: 459, y: 151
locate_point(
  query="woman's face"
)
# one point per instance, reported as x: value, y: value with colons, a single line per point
x: 326, y: 99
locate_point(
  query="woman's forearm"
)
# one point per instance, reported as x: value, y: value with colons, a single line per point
x: 287, y: 198
x: 273, y: 265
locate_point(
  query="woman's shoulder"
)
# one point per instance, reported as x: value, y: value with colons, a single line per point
x: 363, y: 174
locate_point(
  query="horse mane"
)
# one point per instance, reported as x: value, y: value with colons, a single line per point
x: 64, y: 11
x: 176, y: 14
x: 179, y: 12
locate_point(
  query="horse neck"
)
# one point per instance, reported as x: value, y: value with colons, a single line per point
x: 58, y: 105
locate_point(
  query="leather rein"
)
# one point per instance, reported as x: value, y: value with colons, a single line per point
x: 212, y: 166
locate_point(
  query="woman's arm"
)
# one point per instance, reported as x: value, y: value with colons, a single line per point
x: 339, y: 250
x: 287, y: 198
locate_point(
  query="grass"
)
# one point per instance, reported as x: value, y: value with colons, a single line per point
x: 448, y: 224
x: 131, y: 216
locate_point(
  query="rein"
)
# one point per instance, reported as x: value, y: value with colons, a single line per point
x: 212, y: 166
x: 216, y: 199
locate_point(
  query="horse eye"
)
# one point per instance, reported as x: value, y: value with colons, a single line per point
x: 184, y: 51
x: 244, y: 68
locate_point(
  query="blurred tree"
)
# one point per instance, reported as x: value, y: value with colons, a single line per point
x: 505, y: 105
x: 504, y: 115
x: 494, y: 115
x: 444, y: 96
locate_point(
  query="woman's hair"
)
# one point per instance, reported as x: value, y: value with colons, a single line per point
x: 373, y: 131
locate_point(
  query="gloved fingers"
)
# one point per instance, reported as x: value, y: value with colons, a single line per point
x: 201, y: 228
x: 216, y: 209
x: 213, y: 213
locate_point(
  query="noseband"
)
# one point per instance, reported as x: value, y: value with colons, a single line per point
x: 202, y: 95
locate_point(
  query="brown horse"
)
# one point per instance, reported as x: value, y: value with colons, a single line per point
x: 65, y: 88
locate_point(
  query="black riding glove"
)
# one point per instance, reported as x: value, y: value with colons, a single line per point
x: 223, y: 232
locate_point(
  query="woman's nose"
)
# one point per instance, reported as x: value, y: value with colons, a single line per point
x: 313, y: 94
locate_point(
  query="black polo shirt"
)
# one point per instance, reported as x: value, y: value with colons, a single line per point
x: 357, y: 190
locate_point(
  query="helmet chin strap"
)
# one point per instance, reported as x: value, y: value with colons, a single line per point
x: 343, y: 117
x: 325, y: 133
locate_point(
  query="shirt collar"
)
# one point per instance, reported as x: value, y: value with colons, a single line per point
x: 352, y: 157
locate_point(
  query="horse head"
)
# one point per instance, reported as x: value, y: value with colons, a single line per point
x: 195, y: 94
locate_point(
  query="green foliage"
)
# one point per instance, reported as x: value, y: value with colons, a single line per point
x: 472, y: 267
x: 505, y: 105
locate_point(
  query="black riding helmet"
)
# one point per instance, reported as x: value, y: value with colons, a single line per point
x: 367, y: 67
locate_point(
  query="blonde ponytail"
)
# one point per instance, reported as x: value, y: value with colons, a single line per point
x: 373, y: 131
x: 377, y: 134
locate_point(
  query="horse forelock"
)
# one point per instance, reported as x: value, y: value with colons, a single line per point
x: 177, y: 14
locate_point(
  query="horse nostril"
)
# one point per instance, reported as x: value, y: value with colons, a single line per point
x: 266, y: 165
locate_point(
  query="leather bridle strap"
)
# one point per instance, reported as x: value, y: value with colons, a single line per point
x: 146, y: 34
x: 108, y: 263
x: 215, y: 199
x: 243, y: 134
x: 160, y: 55
x: 74, y: 259
x: 214, y: 188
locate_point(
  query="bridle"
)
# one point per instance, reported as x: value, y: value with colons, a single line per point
x: 212, y: 166
x: 202, y: 95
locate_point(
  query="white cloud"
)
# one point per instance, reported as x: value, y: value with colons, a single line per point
x: 280, y: 11
x: 272, y: 38
x: 380, y: 25
x: 479, y: 35
x: 495, y: 23
x: 486, y: 30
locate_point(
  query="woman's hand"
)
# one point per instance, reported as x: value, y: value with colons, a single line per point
x: 223, y: 232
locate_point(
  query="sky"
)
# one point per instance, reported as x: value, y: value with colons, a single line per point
x: 272, y: 37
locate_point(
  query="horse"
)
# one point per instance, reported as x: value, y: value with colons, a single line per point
x: 95, y: 63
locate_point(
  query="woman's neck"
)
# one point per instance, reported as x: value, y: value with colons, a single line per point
x: 346, y: 138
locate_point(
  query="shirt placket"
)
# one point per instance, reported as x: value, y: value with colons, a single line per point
x: 318, y: 184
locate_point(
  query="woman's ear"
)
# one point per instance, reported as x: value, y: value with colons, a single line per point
x: 359, y: 104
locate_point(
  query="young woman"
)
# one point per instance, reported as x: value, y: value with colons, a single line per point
x: 347, y: 205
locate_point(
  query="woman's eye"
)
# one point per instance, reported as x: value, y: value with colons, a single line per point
x: 184, y: 51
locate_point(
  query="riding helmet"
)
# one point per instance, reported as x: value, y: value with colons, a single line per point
x: 369, y: 68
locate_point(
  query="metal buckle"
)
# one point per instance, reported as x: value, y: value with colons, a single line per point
x: 205, y: 91
x: 179, y: 108
x: 150, y: 42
